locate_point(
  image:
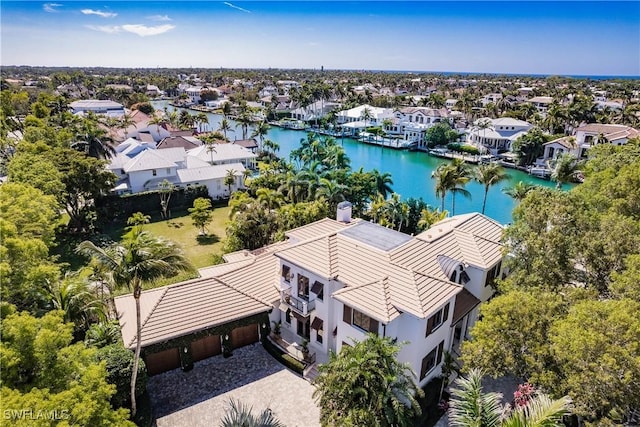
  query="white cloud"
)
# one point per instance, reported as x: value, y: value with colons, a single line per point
x: 236, y: 7
x: 51, y: 7
x: 161, y: 18
x: 99, y: 13
x: 143, y: 30
x: 109, y: 29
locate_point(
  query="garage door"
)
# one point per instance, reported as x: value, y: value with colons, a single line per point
x: 206, y: 347
x: 162, y: 361
x: 244, y: 335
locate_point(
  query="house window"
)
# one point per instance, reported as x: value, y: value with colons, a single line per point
x: 168, y: 171
x: 303, y: 287
x: 492, y: 274
x: 318, y: 289
x: 437, y: 319
x: 154, y: 172
x: 287, y: 316
x: 318, y: 325
x: 286, y: 273
x: 319, y: 335
x: 359, y: 320
x: 431, y: 360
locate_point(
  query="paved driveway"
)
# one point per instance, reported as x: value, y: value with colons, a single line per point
x: 251, y: 375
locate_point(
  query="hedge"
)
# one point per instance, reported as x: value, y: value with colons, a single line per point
x: 461, y: 148
x: 282, y: 357
x: 119, y: 208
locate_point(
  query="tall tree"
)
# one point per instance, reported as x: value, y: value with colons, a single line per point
x: 230, y: 179
x: 201, y: 214
x: 489, y: 175
x: 140, y: 258
x: 519, y: 191
x: 365, y: 385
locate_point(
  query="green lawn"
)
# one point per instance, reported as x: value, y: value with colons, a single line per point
x: 180, y: 229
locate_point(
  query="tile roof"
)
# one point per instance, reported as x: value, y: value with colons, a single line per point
x: 315, y: 229
x: 184, y: 308
x: 223, y: 152
x: 176, y: 141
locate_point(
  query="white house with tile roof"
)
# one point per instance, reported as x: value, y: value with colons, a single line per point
x: 332, y: 281
x: 499, y: 135
x: 411, y: 123
x: 141, y: 167
x: 585, y: 137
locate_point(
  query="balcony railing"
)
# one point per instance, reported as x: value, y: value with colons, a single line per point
x: 299, y: 305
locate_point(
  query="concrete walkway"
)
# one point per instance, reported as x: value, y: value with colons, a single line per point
x: 251, y: 375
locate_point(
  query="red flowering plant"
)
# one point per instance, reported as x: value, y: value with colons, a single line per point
x: 524, y: 394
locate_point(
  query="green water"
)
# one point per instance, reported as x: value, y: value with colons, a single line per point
x: 411, y: 171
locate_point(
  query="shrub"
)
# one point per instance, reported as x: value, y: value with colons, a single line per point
x: 119, y: 363
x: 461, y: 148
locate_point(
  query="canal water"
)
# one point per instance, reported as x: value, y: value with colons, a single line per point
x: 410, y: 170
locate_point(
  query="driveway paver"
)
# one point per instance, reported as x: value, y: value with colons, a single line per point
x: 199, y: 397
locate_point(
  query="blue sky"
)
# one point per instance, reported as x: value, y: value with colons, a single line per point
x: 577, y: 38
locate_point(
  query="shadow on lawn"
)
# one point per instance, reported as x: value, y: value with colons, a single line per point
x: 207, y: 239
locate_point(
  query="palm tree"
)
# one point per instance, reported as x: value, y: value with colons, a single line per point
x: 332, y: 191
x: 211, y: 148
x: 239, y: 414
x: 366, y: 385
x: 444, y: 176
x: 230, y: 179
x: 519, y: 191
x: 471, y: 407
x: 124, y: 124
x: 429, y: 216
x: 93, y: 140
x: 366, y: 116
x: 72, y: 295
x: 563, y: 169
x: 489, y: 175
x: 461, y: 176
x: 270, y: 199
x: 202, y: 119
x: 383, y: 182
x: 140, y: 258
x: 225, y: 127
x: 261, y: 131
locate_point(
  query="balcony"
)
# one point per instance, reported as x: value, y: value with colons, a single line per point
x: 299, y: 305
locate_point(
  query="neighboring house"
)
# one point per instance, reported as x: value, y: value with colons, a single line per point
x: 97, y: 106
x: 585, y: 137
x: 541, y: 103
x: 411, y: 123
x: 141, y: 167
x: 153, y: 90
x: 491, y: 98
x: 450, y: 103
x: 186, y: 142
x: 499, y: 135
x: 141, y: 126
x: 330, y: 283
x: 354, y: 118
x: 314, y: 111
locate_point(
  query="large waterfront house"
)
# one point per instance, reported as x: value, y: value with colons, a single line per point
x: 411, y: 123
x: 329, y: 284
x: 141, y: 166
x: 314, y: 111
x: 497, y: 135
x: 363, y: 116
x: 584, y: 138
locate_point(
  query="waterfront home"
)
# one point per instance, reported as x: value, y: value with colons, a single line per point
x: 497, y: 135
x: 142, y: 167
x: 411, y: 123
x: 314, y: 111
x: 328, y: 284
x: 97, y: 106
x: 490, y: 98
x: 363, y: 116
x: 584, y: 138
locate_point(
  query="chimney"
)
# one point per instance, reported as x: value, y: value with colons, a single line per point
x: 344, y: 212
